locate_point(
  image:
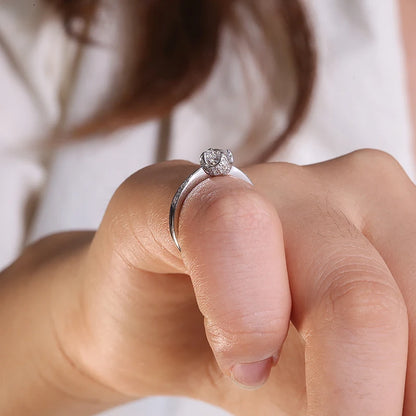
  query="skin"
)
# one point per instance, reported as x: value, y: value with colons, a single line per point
x: 121, y: 314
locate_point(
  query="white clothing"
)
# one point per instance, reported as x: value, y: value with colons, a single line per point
x: 360, y: 101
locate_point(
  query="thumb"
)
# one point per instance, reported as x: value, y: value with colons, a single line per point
x: 232, y: 248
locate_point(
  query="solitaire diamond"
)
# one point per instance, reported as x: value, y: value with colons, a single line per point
x: 216, y: 162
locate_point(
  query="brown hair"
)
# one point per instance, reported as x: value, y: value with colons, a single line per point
x: 178, y: 42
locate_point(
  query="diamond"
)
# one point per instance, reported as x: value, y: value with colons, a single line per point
x: 216, y: 162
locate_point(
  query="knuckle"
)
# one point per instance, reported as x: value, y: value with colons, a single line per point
x: 377, y: 173
x: 379, y: 164
x: 126, y: 244
x: 361, y: 297
x: 373, y: 156
x: 135, y: 239
x: 128, y: 187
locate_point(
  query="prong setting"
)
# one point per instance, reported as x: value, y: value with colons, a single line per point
x: 216, y: 162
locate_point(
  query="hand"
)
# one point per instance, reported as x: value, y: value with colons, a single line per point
x: 348, y: 229
x: 349, y: 236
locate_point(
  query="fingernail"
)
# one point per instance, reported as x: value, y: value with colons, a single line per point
x: 251, y: 376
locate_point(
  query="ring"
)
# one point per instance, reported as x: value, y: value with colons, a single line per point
x: 214, y: 162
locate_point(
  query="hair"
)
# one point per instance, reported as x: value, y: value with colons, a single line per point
x: 178, y: 43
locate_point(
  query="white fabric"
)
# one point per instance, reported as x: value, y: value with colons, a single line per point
x: 34, y: 53
x: 360, y: 101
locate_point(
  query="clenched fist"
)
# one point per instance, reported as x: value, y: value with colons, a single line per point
x: 329, y: 247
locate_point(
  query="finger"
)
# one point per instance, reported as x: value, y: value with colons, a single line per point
x: 389, y: 222
x: 346, y: 305
x: 232, y: 248
x: 393, y: 233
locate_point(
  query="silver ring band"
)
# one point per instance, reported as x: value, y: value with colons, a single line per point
x: 214, y: 162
